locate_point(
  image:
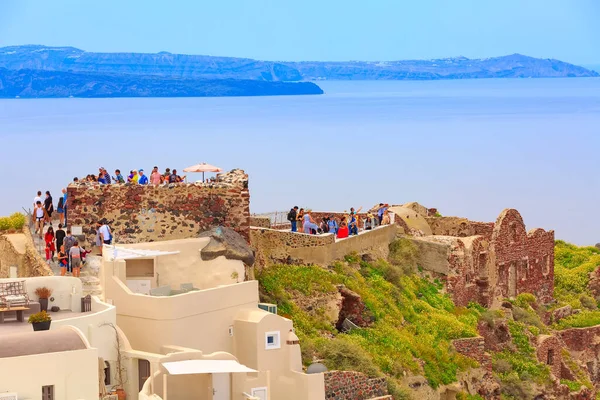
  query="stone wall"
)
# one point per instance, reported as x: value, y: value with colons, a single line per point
x: 461, y: 227
x: 350, y: 385
x: 18, y: 250
x: 272, y: 246
x: 549, y: 352
x: 522, y: 262
x: 261, y: 222
x: 147, y: 213
x: 474, y: 348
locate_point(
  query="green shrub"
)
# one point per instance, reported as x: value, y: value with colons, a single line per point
x: 584, y: 319
x: 16, y: 221
x: 489, y: 317
x: 404, y: 253
x: 528, y: 317
x: 588, y: 302
x: 345, y: 354
x: 573, y: 386
x: 525, y: 300
x: 513, y: 387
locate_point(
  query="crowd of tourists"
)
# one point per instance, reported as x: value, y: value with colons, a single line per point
x: 348, y: 224
x: 60, y: 245
x: 136, y: 176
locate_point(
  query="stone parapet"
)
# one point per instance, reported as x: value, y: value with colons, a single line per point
x: 145, y: 213
x: 350, y: 385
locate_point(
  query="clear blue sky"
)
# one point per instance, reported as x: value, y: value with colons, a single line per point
x: 311, y: 29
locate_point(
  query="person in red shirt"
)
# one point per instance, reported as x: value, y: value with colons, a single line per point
x: 50, y: 246
x: 343, y: 231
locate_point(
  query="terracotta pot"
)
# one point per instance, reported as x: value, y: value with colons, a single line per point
x: 43, y: 304
x: 121, y: 394
x: 41, y: 326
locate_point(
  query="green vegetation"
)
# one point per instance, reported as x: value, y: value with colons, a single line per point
x: 573, y: 386
x: 14, y: 222
x: 572, y: 268
x: 412, y: 320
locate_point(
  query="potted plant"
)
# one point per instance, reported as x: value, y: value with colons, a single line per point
x: 40, y: 321
x: 43, y: 293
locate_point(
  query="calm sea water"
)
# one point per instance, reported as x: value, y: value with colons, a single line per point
x: 470, y: 147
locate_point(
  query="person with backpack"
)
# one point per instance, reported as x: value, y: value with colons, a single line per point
x: 68, y: 243
x: 292, y: 217
x: 105, y: 234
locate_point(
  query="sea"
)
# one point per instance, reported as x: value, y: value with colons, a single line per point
x: 466, y: 147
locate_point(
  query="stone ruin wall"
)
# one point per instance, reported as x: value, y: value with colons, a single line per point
x: 474, y: 348
x: 461, y: 227
x: 524, y: 261
x: 350, y: 385
x: 25, y: 257
x: 145, y: 213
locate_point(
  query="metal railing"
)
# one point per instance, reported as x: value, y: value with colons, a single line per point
x: 276, y: 217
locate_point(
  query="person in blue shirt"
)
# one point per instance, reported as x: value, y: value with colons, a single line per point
x: 64, y: 191
x: 143, y: 179
x: 333, y: 225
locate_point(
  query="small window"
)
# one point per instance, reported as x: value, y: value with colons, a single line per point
x: 550, y: 357
x: 48, y: 392
x: 231, y: 330
x: 272, y: 340
x: 106, y: 373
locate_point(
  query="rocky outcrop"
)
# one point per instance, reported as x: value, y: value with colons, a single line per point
x: 352, y: 308
x: 226, y: 242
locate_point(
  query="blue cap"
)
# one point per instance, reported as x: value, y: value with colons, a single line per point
x: 140, y: 170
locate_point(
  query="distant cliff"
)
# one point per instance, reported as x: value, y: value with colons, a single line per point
x: 26, y: 83
x: 40, y: 71
x: 513, y: 66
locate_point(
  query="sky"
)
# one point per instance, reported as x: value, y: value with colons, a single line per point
x: 312, y: 29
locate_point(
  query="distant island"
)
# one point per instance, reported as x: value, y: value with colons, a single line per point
x: 34, y: 71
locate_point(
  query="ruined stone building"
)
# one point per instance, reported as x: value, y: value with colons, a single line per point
x: 482, y: 262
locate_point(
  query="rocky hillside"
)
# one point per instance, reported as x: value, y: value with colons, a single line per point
x: 25, y: 83
x: 69, y: 59
x: 388, y: 318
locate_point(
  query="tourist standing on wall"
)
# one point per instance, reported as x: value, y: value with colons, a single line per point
x: 155, y: 177
x: 64, y: 191
x: 48, y: 206
x: 105, y: 234
x: 292, y: 217
x: 380, y: 211
x: 142, y: 179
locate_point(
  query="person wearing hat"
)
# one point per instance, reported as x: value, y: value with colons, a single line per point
x: 142, y: 179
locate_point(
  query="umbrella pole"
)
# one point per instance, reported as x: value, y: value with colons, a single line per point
x: 202, y: 176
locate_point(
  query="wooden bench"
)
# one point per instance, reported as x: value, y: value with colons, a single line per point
x: 18, y: 310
